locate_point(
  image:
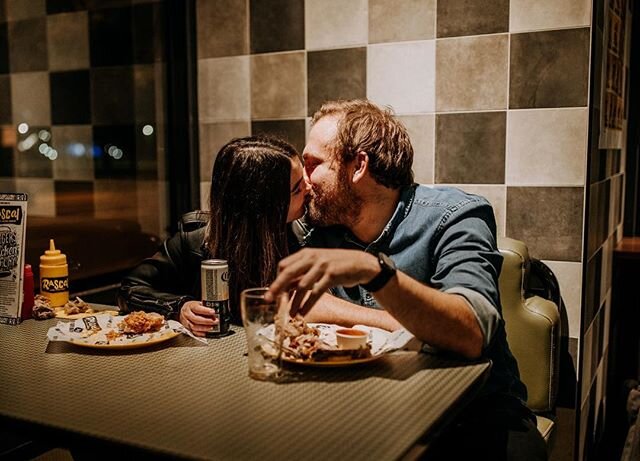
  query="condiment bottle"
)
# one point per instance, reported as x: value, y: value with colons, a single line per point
x: 27, y: 289
x: 54, y: 276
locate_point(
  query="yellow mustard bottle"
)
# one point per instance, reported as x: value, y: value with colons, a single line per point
x: 54, y: 276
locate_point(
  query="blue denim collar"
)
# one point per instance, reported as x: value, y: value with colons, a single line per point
x: 407, y: 194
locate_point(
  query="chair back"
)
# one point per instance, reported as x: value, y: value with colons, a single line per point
x: 533, y: 328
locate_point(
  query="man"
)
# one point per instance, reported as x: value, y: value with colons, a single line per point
x: 427, y: 256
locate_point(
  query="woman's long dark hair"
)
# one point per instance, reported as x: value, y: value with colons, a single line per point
x: 249, y: 202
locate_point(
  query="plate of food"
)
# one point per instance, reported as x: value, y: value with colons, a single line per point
x: 328, y: 345
x: 106, y: 331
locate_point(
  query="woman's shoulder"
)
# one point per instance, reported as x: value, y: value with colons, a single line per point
x: 190, y: 238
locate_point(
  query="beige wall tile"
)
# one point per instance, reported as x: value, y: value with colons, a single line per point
x: 402, y: 75
x: 587, y: 376
x: 421, y: 131
x: 335, y: 23
x: 75, y: 158
x: 605, y: 269
x: 547, y: 147
x: 569, y: 275
x: 548, y: 14
x: 471, y: 73
x: 205, y: 187
x: 607, y: 322
x: 42, y: 200
x: 392, y: 21
x: 8, y: 185
x: 278, y: 86
x: 30, y: 101
x: 497, y: 197
x: 212, y: 137
x: 223, y: 89
x: 152, y: 207
x: 68, y: 41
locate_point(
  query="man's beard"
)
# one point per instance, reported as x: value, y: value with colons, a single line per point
x: 335, y: 204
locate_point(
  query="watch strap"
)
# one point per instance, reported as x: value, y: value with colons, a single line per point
x: 380, y: 280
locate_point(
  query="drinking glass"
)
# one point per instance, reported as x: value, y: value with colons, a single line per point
x: 263, y: 321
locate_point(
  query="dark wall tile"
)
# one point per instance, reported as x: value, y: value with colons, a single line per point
x: 110, y: 37
x: 549, y: 69
x: 222, y: 28
x: 28, y: 161
x: 276, y: 25
x: 70, y: 98
x: 5, y: 100
x: 3, y: 11
x: 548, y: 220
x: 74, y: 198
x: 101, y: 4
x: 596, y: 77
x: 6, y: 162
x: 114, y: 151
x: 4, y: 48
x: 614, y: 161
x: 615, y: 217
x: 336, y: 74
x: 595, y: 167
x: 292, y: 131
x: 112, y: 95
x: 28, y: 45
x: 148, y: 33
x: 592, y: 289
x: 598, y: 215
x: 464, y: 17
x: 470, y: 148
x: 65, y: 6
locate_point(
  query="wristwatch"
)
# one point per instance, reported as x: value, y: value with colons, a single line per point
x: 387, y: 270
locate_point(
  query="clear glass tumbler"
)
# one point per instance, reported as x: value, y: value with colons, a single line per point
x: 259, y: 318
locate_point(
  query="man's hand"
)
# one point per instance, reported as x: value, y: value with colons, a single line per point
x: 197, y: 318
x: 310, y: 272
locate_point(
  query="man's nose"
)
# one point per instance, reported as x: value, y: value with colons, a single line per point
x: 306, y: 180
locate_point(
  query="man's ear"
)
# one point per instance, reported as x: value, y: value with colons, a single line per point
x: 360, y: 166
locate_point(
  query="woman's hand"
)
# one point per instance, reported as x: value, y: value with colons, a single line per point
x: 197, y: 318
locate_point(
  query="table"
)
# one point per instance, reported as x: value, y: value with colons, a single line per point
x: 186, y: 399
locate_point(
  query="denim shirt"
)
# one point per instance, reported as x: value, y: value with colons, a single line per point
x: 446, y: 238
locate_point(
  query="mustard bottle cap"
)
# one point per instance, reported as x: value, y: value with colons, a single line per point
x: 53, y: 257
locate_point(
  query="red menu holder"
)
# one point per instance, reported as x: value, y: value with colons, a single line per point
x: 28, y: 287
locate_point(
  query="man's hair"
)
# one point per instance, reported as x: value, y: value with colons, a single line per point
x: 249, y: 201
x: 363, y: 126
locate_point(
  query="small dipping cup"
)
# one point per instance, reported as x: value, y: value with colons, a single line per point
x: 350, y: 338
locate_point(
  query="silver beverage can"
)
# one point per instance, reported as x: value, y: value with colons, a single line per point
x: 214, y: 274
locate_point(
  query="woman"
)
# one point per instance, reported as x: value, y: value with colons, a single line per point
x: 257, y: 187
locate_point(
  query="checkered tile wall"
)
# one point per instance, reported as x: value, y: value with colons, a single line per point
x: 495, y: 99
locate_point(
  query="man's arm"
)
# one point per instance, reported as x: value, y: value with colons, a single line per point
x: 443, y: 320
x: 330, y: 309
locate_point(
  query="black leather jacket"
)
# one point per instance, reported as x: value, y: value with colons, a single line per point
x: 164, y: 282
